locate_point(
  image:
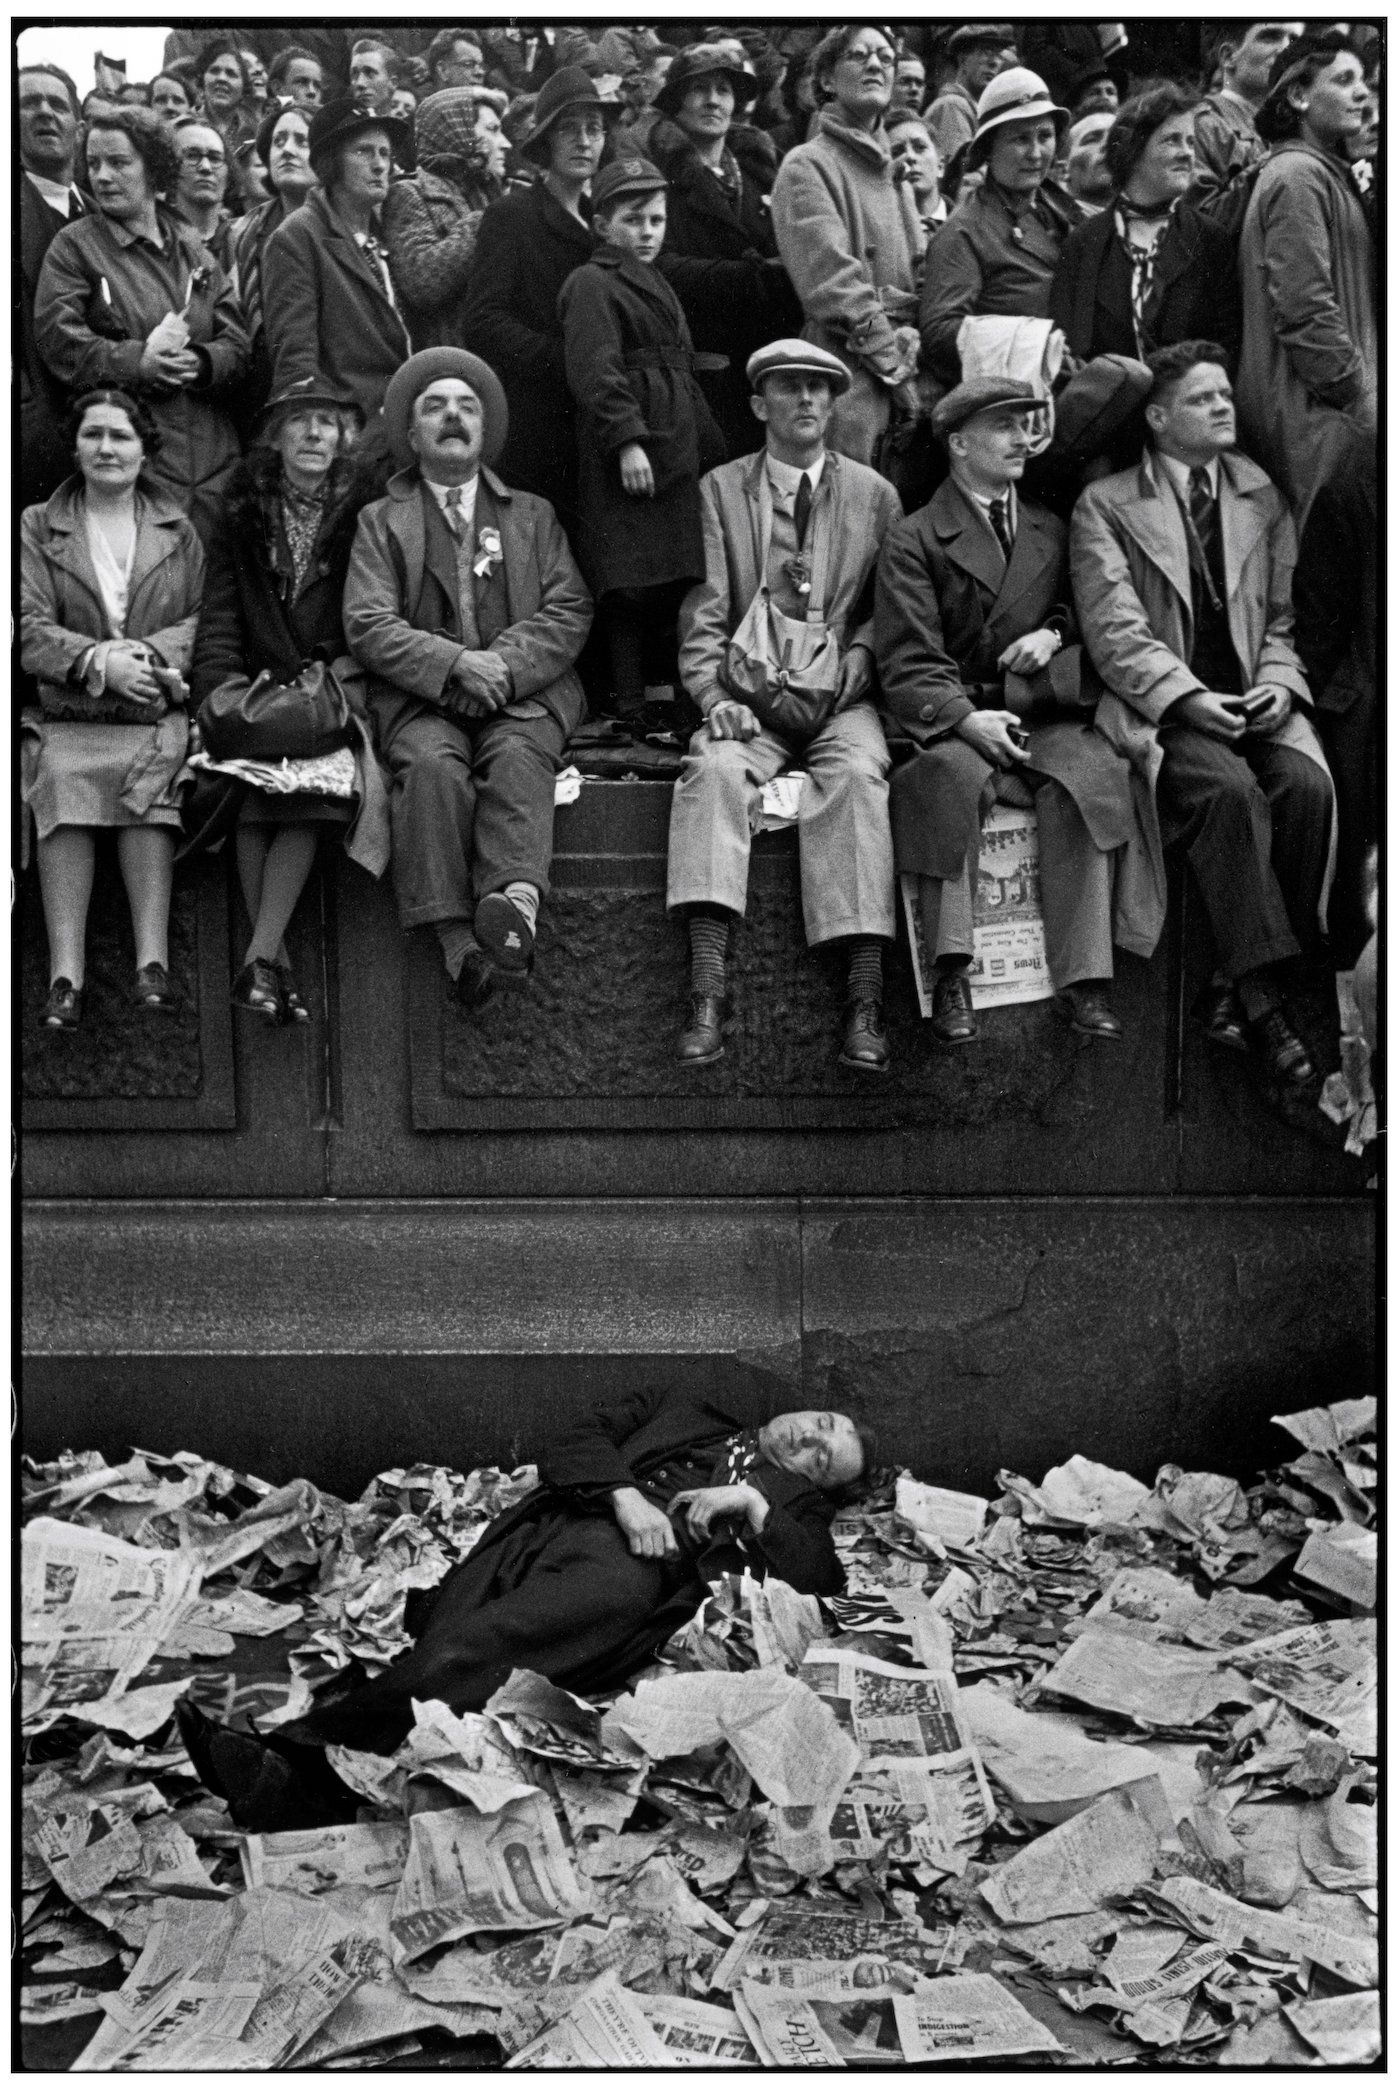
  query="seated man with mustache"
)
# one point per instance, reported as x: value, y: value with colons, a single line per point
x: 638, y: 1506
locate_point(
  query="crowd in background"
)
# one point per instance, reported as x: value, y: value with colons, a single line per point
x: 224, y: 270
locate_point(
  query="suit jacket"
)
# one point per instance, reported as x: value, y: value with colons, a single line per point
x: 1194, y: 294
x: 45, y: 458
x: 325, y: 309
x: 535, y: 605
x: 855, y: 504
x: 1131, y: 580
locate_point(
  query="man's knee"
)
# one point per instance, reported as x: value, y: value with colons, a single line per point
x: 1300, y: 787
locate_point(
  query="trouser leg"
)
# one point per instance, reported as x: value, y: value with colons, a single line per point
x: 517, y: 760
x: 847, y: 851
x: 432, y: 811
x: 714, y: 810
x: 1075, y: 891
x: 1210, y: 802
x: 946, y: 908
x: 1299, y: 801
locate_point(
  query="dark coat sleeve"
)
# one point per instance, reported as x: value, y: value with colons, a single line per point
x: 220, y: 647
x: 920, y: 680
x: 586, y: 1456
x: 795, y: 1543
x: 597, y: 374
x: 489, y: 321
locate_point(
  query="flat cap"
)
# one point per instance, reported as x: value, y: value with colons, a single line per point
x: 630, y: 177
x: 971, y: 35
x: 792, y: 354
x: 977, y: 395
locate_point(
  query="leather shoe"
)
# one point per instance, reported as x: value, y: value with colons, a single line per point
x: 701, y: 1042
x: 297, y: 1011
x: 476, y: 982
x: 258, y: 988
x: 1281, y: 1050
x: 865, y: 1045
x: 64, y: 1008
x: 1219, y: 1015
x: 953, y: 1020
x: 1085, y: 1009
x: 153, y: 989
x: 504, y: 934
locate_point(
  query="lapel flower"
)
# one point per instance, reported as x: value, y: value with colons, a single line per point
x: 488, y: 554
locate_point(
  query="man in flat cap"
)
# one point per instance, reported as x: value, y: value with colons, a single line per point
x: 776, y: 649
x: 975, y: 641
x: 977, y: 51
x: 464, y: 603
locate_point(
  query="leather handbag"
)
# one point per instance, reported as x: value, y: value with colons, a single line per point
x: 264, y: 720
x: 1067, y: 690
x: 786, y: 671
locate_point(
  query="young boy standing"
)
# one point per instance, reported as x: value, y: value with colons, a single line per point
x: 646, y: 434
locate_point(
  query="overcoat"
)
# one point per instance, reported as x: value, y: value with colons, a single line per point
x: 1131, y: 583
x: 527, y: 246
x: 1194, y: 291
x: 1309, y: 371
x: 101, y: 291
x: 326, y: 311
x: 45, y: 457
x: 946, y: 607
x: 630, y: 368
x: 484, y: 1605
x: 854, y: 504
x: 430, y: 230
x: 976, y: 263
x: 533, y: 609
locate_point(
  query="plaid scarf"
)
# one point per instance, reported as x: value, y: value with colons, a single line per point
x: 1141, y: 255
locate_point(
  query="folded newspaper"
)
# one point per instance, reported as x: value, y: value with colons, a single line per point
x: 1082, y: 1775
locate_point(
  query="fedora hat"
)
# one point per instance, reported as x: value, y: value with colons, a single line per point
x: 342, y: 119
x: 794, y: 354
x: 572, y: 88
x: 309, y: 391
x: 702, y: 62
x: 418, y: 373
x: 1016, y: 96
x: 1097, y: 401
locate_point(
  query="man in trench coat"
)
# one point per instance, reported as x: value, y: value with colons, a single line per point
x: 1182, y: 575
x: 972, y: 612
x: 465, y: 605
x: 638, y: 1505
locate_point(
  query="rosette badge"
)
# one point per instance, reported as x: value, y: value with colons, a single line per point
x: 488, y: 554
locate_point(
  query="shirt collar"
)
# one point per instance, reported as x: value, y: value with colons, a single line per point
x: 1179, y: 475
x: 467, y: 491
x: 786, y: 478
x: 125, y: 237
x: 983, y: 502
x: 60, y: 194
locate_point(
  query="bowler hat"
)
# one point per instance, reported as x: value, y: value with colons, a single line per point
x: 309, y: 391
x: 571, y: 88
x: 1096, y: 401
x: 804, y: 356
x: 418, y: 373
x: 1016, y: 96
x: 701, y: 62
x: 634, y: 177
x: 977, y: 395
x: 341, y: 119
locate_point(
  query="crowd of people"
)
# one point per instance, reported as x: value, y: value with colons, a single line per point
x: 952, y: 413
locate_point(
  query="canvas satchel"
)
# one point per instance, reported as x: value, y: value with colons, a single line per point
x: 784, y: 669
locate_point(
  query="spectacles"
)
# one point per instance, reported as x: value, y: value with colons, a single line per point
x: 884, y: 60
x: 193, y: 157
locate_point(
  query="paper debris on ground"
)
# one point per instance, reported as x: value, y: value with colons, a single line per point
x: 1345, y: 2030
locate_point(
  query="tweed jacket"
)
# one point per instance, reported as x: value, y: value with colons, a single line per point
x: 538, y: 606
x: 859, y: 508
x: 430, y: 231
x: 1131, y: 580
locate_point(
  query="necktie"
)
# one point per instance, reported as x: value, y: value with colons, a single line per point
x: 1204, y: 517
x: 1000, y: 523
x: 451, y: 509
x: 802, y: 513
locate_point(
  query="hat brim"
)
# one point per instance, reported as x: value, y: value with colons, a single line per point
x: 421, y: 370
x: 339, y: 402
x: 534, y: 138
x: 400, y: 136
x: 745, y: 86
x: 839, y: 381
x: 985, y: 138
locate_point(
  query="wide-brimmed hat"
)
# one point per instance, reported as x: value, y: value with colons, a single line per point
x: 699, y: 62
x: 977, y: 395
x: 308, y: 391
x: 571, y: 88
x: 794, y: 354
x: 1097, y: 401
x: 418, y: 373
x: 343, y: 118
x: 1016, y: 96
x: 631, y: 177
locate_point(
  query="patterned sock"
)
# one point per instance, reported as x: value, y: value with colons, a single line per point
x: 457, y: 940
x: 526, y: 899
x: 866, y: 968
x: 709, y: 943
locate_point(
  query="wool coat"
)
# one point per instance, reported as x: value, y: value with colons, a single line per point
x: 854, y: 504
x: 327, y: 313
x: 527, y: 247
x: 631, y: 370
x: 1194, y: 293
x: 550, y: 1586
x: 1309, y: 371
x: 45, y: 458
x: 101, y: 291
x: 430, y: 230
x: 533, y: 609
x: 946, y: 607
x: 985, y: 258
x: 1131, y: 580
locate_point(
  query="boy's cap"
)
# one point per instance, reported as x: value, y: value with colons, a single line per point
x: 626, y: 178
x: 791, y: 354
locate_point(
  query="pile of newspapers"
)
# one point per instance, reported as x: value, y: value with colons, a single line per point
x: 1057, y: 1778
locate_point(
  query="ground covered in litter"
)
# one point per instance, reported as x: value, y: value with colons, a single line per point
x: 1083, y: 1775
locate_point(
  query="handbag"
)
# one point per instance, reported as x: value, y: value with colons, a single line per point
x: 784, y: 670
x: 1067, y: 690
x: 267, y: 720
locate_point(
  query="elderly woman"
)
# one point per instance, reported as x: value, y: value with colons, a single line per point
x: 129, y: 296
x: 998, y: 251
x: 283, y: 146
x: 1309, y: 370
x: 851, y: 237
x: 277, y: 565
x: 527, y: 246
x: 225, y: 91
x: 328, y: 300
x: 1150, y: 269
x: 430, y: 220
x: 110, y: 575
